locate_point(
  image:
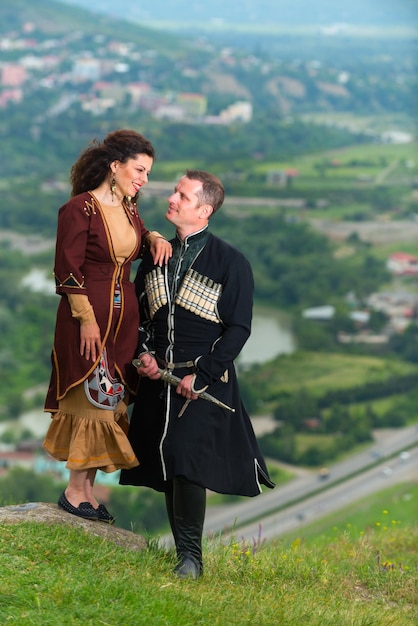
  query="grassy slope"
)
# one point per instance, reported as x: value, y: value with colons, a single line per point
x: 61, y: 18
x: 389, y: 508
x: 320, y: 372
x: 52, y: 575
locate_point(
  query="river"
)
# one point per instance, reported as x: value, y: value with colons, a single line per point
x: 270, y: 336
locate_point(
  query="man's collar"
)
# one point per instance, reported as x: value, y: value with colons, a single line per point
x: 194, y: 236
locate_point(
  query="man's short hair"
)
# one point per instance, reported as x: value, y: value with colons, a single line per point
x: 212, y: 192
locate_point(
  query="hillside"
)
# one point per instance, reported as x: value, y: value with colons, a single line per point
x: 69, y: 74
x: 52, y: 574
x: 63, y: 20
x: 256, y: 12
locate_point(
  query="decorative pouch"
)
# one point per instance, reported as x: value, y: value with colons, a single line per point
x: 101, y: 389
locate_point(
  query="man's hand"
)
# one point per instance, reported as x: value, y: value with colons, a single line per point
x: 148, y: 367
x: 184, y: 388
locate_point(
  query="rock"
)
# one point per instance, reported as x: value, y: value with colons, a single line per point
x: 47, y: 513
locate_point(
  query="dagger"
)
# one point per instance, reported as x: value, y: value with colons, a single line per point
x: 171, y: 379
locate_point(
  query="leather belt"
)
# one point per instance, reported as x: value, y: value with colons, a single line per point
x: 168, y: 365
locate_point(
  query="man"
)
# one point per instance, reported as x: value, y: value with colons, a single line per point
x: 195, y: 318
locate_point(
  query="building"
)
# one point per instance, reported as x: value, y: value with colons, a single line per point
x: 238, y: 112
x: 86, y: 69
x: 10, y: 95
x: 193, y: 104
x: 319, y: 313
x: 402, y: 264
x: 13, y: 75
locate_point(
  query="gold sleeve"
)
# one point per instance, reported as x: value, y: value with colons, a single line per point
x: 81, y: 308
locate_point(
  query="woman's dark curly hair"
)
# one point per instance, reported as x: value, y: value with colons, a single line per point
x: 92, y: 167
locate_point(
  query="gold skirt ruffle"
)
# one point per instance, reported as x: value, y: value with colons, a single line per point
x: 88, y: 437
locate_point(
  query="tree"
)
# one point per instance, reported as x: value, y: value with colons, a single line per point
x: 281, y: 444
x: 295, y: 410
x: 20, y: 485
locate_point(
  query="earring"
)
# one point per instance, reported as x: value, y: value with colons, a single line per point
x: 113, y: 186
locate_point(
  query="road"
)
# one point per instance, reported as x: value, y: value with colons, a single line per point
x: 307, y: 498
x: 373, y: 231
x: 329, y: 501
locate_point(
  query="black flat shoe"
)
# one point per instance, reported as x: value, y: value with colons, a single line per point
x: 103, y: 514
x: 84, y: 509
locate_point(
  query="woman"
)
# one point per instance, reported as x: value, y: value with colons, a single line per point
x: 99, y: 234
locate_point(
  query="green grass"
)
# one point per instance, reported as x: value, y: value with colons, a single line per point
x: 395, y: 507
x: 382, y: 251
x: 171, y: 170
x: 378, y: 156
x: 320, y: 372
x: 342, y: 211
x: 382, y: 406
x: 378, y: 123
x: 372, y: 159
x: 53, y: 575
x: 320, y: 441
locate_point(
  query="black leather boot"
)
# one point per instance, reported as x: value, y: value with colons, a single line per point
x: 169, y: 505
x: 189, y: 507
